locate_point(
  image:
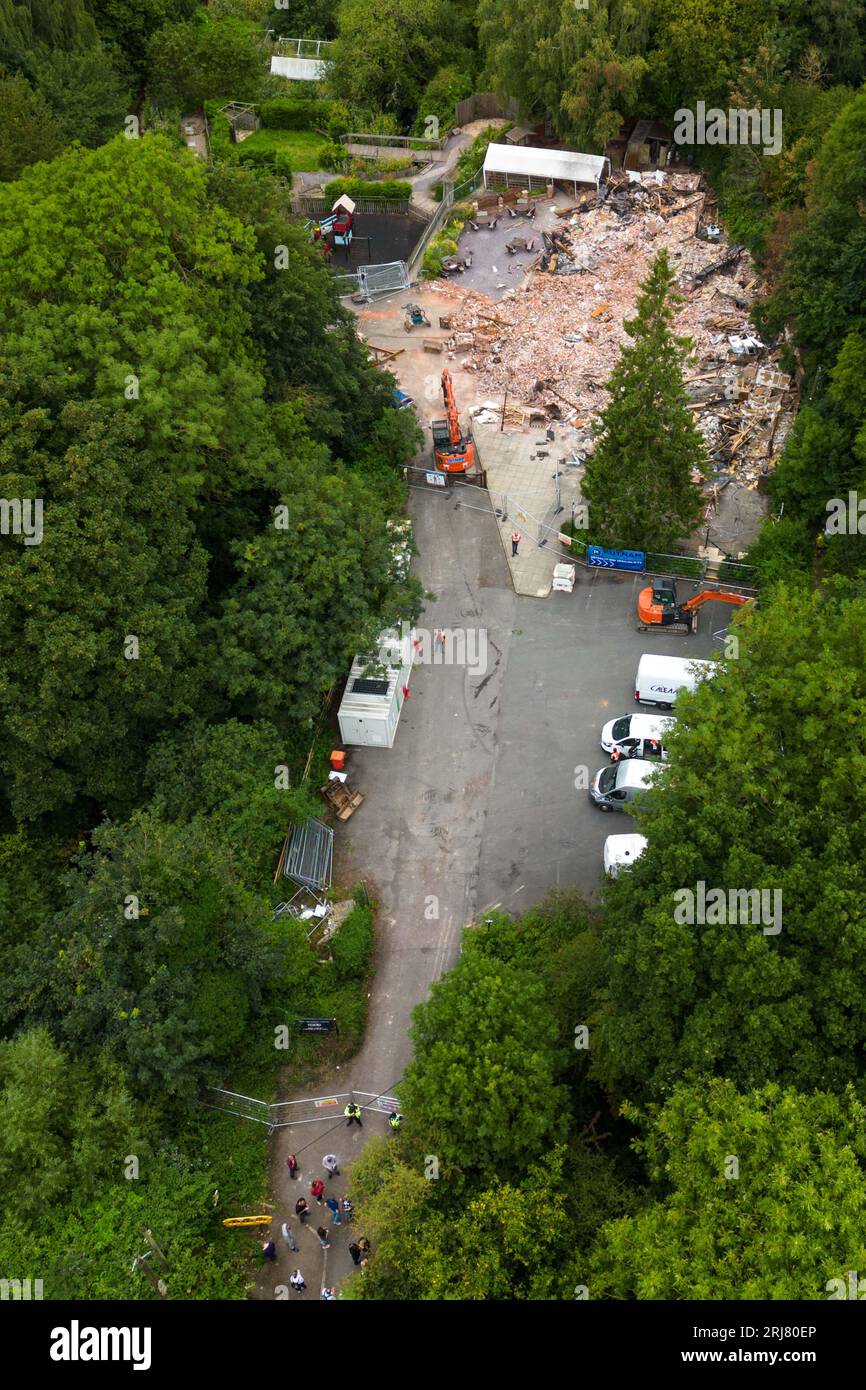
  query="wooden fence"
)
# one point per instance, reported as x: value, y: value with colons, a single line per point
x: 487, y: 106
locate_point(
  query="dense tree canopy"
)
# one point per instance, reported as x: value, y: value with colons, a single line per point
x: 638, y: 485
x: 761, y: 794
x: 758, y: 1196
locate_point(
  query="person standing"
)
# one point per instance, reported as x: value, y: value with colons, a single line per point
x: 292, y: 1165
x: 269, y: 1250
x: 355, y: 1252
x: 329, y: 1295
x: 364, y: 1247
x: 334, y: 1208
x: 395, y: 1119
x: 288, y: 1236
x: 331, y: 1165
x: 346, y: 1209
x: 515, y: 541
x: 317, y: 1188
x: 297, y: 1280
x: 323, y: 1238
x: 353, y: 1115
x: 302, y: 1209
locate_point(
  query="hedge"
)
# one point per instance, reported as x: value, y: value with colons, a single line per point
x: 390, y: 190
x: 286, y: 113
x: 352, y: 945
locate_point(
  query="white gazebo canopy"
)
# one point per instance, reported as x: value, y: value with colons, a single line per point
x: 516, y: 162
x: 301, y: 69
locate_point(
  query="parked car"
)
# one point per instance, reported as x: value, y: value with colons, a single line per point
x: 622, y: 850
x: 637, y: 735
x: 619, y: 785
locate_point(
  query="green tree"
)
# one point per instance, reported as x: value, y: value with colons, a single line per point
x: 173, y: 990
x: 28, y: 130
x: 383, y: 57
x: 825, y: 266
x: 479, y: 1092
x: 149, y: 307
x: 64, y: 1124
x: 131, y: 23
x: 199, y: 60
x: 784, y: 1223
x: 315, y: 587
x: 118, y: 562
x: 86, y: 93
x: 745, y: 804
x: 232, y: 774
x: 638, y: 484
x: 583, y: 66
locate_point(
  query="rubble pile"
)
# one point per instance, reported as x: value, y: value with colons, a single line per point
x: 554, y: 342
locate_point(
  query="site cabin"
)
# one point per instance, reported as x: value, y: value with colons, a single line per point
x: 373, y: 699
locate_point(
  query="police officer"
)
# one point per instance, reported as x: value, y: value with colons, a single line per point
x: 352, y: 1113
x: 395, y: 1119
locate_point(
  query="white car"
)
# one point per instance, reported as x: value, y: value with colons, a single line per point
x: 622, y: 850
x: 637, y: 735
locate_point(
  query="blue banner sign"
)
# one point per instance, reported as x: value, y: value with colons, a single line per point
x: 615, y: 559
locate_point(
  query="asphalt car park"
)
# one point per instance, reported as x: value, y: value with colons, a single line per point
x: 571, y: 667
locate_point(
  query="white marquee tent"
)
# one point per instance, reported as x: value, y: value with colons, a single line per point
x: 516, y: 166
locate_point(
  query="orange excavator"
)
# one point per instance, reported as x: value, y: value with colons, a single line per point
x: 453, y: 452
x: 658, y: 606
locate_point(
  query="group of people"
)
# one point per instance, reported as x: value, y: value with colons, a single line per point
x: 341, y: 1209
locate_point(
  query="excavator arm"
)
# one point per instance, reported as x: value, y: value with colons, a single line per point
x: 712, y: 596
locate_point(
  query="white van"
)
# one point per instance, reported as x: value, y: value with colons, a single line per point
x: 621, y: 784
x: 622, y: 850
x: 638, y: 735
x: 660, y: 678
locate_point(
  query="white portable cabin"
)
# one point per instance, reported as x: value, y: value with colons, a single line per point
x: 370, y: 708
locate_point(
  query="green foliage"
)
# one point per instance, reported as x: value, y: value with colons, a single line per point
x: 64, y: 1125
x: 440, y: 97
x: 638, y: 483
x: 267, y: 149
x: 584, y: 66
x: 28, y: 130
x: 472, y: 158
x: 352, y: 946
x: 131, y: 23
x: 788, y: 1221
x: 171, y: 989
x: 229, y: 773
x: 198, y: 60
x: 331, y: 157
x: 478, y: 1091
x: 762, y: 792
x: 383, y: 57
x: 118, y: 557
x: 387, y: 190
x: 286, y: 113
x: 292, y: 600
x: 86, y: 94
x: 443, y: 244
x: 782, y: 551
